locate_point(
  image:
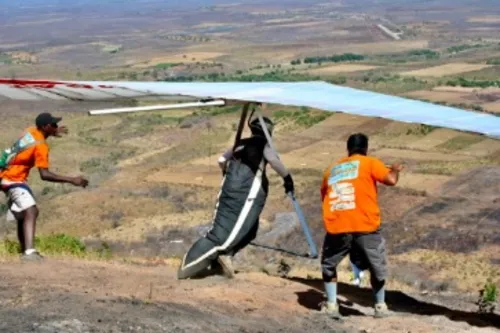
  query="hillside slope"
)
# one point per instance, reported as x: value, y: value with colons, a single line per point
x: 153, y: 182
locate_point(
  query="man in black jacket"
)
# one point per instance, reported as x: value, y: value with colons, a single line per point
x: 239, y: 204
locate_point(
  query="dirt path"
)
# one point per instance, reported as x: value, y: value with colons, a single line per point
x: 81, y: 296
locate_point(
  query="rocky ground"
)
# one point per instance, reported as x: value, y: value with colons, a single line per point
x: 65, y: 295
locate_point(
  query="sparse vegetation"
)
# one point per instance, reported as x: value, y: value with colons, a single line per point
x: 5, y: 59
x: 389, y: 83
x: 421, y: 130
x: 493, y: 62
x: 460, y: 142
x: 487, y: 297
x: 276, y: 75
x: 304, y: 117
x: 464, y: 47
x: 52, y: 244
x: 59, y: 244
x: 428, y: 54
x: 463, y: 82
x: 112, y: 49
x: 167, y: 65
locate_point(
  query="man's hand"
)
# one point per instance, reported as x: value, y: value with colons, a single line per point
x: 80, y: 181
x: 288, y: 184
x: 61, y: 130
x: 393, y: 176
x: 397, y: 167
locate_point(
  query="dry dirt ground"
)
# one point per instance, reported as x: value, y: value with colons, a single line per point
x: 62, y: 295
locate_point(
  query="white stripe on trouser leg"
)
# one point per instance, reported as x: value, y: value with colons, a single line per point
x: 254, y: 190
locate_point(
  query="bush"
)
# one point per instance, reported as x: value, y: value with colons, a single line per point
x: 52, y: 244
x: 59, y: 244
x: 487, y: 297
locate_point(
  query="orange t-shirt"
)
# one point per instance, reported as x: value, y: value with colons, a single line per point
x: 36, y: 155
x: 349, y: 194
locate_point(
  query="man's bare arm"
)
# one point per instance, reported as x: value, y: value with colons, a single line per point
x: 392, y: 177
x: 49, y: 176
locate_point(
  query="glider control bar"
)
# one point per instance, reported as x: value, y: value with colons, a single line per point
x: 217, y: 102
x: 305, y: 227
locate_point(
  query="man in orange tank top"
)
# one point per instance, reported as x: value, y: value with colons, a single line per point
x: 32, y: 151
x: 351, y: 217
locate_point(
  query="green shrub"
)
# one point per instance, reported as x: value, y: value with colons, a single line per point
x: 487, y: 297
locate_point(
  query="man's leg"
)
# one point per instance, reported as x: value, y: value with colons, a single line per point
x: 225, y: 260
x: 335, y: 248
x: 24, y: 208
x: 373, y: 246
x: 20, y: 230
x: 29, y: 226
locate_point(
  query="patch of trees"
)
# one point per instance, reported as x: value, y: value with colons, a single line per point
x: 334, y: 58
x: 493, y: 62
x: 277, y: 75
x: 428, y: 54
x: 187, y: 38
x: 462, y: 82
x: 463, y: 47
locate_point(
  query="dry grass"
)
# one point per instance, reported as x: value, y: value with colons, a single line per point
x: 135, y: 160
x: 422, y: 182
x: 384, y: 47
x: 447, y: 69
x: 343, y: 68
x: 460, y: 142
x: 193, y: 174
x: 484, y: 19
x: 138, y: 229
x: 297, y: 24
x: 321, y: 154
x: 421, y: 155
x: 492, y: 107
x: 40, y: 22
x: 455, y: 89
x: 442, y: 96
x: 450, y: 168
x: 483, y: 148
x: 468, y: 272
x: 433, y: 139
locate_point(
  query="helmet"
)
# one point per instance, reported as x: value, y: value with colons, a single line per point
x: 256, y: 128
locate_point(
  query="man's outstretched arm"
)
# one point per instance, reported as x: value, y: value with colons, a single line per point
x: 49, y: 176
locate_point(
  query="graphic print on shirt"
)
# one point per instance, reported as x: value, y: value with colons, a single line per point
x: 8, y: 154
x: 343, y: 195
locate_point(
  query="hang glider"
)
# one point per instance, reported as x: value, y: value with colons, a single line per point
x: 313, y: 94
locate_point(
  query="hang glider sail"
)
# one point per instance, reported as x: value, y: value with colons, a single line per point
x: 314, y: 94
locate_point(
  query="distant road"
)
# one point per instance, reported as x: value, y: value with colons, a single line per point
x: 390, y: 33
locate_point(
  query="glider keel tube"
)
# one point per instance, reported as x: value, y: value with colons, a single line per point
x: 157, y: 107
x: 236, y: 218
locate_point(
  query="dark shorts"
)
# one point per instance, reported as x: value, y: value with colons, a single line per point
x: 367, y: 251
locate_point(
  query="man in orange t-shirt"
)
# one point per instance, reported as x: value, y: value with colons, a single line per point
x: 32, y: 151
x: 351, y: 218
